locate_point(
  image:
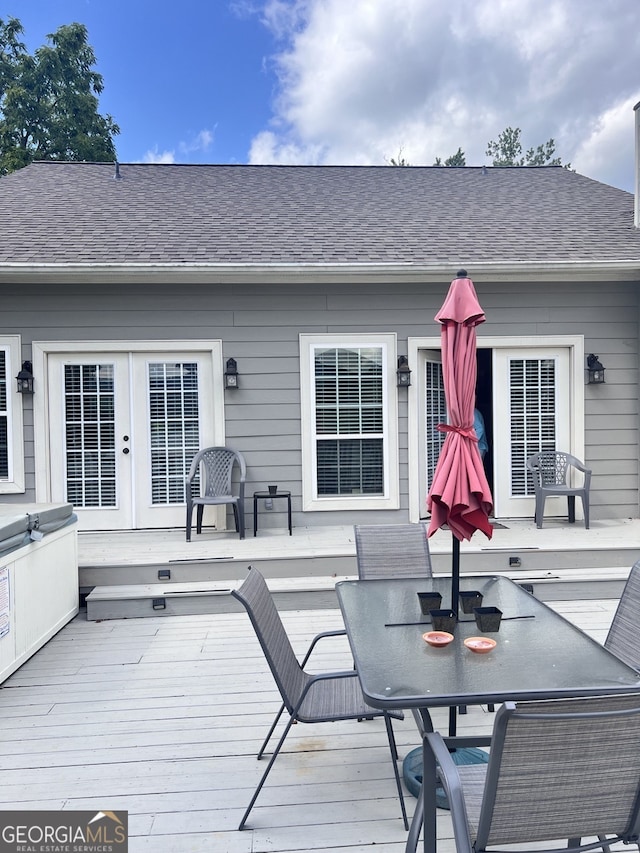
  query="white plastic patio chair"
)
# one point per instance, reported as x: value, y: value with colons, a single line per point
x: 551, y: 471
x: 209, y: 483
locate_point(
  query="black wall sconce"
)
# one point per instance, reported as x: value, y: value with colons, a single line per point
x: 25, y: 378
x: 231, y: 377
x: 595, y: 370
x: 403, y: 372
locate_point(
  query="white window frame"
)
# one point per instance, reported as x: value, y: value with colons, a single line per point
x: 387, y: 342
x: 15, y: 482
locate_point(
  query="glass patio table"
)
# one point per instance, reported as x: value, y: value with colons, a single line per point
x: 539, y: 654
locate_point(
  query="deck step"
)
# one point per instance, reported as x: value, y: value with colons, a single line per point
x: 308, y: 593
x: 183, y: 599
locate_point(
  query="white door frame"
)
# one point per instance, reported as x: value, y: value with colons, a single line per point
x: 41, y: 350
x: 575, y: 345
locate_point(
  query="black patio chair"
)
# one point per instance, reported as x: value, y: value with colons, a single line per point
x: 209, y: 483
x: 623, y: 638
x: 392, y: 551
x: 558, y: 769
x: 308, y: 698
x: 551, y: 471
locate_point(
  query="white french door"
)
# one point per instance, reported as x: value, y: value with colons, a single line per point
x: 537, y: 390
x: 432, y: 411
x: 123, y: 428
x: 531, y: 412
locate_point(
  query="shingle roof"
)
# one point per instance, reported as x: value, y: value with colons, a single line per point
x: 78, y: 213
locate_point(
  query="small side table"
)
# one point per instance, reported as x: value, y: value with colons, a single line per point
x: 268, y: 496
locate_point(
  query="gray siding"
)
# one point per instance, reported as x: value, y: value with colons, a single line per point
x: 259, y: 326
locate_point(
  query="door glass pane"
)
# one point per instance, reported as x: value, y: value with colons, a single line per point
x: 174, y: 430
x: 349, y: 421
x: 533, y: 389
x: 90, y: 435
x: 435, y: 413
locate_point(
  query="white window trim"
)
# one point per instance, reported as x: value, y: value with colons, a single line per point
x: 15, y: 483
x: 310, y: 500
x: 575, y: 345
x: 40, y: 355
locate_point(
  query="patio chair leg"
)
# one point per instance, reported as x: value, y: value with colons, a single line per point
x: 416, y: 824
x: 394, y: 759
x: 189, y: 517
x: 271, y: 731
x: 265, y: 774
x: 240, y: 520
x: 238, y: 515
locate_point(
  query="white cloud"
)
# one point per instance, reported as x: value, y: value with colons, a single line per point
x: 608, y: 150
x: 202, y: 141
x: 360, y: 80
x: 266, y: 147
x: 155, y: 156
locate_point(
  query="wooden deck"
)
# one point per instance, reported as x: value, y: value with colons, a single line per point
x: 163, y: 716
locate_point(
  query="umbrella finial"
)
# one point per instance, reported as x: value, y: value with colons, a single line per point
x: 461, y: 274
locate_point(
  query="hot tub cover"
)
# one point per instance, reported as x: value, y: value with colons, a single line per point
x: 20, y: 528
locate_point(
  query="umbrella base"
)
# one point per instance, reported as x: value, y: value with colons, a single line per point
x: 412, y: 770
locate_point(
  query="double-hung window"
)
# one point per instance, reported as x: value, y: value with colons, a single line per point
x: 349, y: 421
x: 11, y: 438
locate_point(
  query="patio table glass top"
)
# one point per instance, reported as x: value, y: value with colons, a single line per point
x: 539, y: 655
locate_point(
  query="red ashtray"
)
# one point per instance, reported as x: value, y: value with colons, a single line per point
x: 480, y: 645
x: 437, y: 638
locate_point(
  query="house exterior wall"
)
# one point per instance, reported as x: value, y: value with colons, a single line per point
x: 259, y: 325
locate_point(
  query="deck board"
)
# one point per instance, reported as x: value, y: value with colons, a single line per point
x: 163, y: 717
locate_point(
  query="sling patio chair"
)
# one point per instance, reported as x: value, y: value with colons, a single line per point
x: 623, y: 637
x: 558, y: 770
x: 392, y: 551
x: 308, y: 698
x: 209, y: 483
x: 552, y: 472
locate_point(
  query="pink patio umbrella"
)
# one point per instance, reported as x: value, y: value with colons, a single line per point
x: 459, y: 496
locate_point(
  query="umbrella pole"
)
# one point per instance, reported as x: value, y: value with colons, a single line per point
x: 455, y: 590
x: 455, y: 574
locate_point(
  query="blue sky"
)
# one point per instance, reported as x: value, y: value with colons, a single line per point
x: 360, y: 81
x: 186, y: 80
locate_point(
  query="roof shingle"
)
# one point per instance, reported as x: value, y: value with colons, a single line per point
x: 78, y: 213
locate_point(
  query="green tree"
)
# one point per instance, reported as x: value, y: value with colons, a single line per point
x: 49, y: 101
x: 400, y: 160
x: 507, y: 151
x: 457, y: 159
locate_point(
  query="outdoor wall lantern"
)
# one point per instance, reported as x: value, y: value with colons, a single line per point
x: 595, y: 370
x: 25, y: 379
x: 231, y: 378
x: 403, y: 372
